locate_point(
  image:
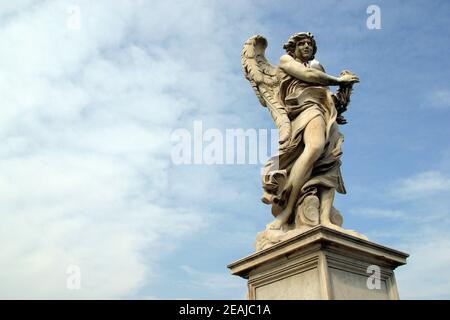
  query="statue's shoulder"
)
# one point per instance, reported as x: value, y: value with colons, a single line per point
x: 285, y: 58
x: 315, y: 64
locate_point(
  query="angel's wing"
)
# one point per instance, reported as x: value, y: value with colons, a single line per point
x: 265, y: 80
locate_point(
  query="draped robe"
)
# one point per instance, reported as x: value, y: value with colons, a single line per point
x: 304, y: 102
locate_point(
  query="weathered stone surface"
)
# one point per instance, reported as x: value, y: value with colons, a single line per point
x: 300, y: 181
x: 305, y: 253
x: 320, y: 263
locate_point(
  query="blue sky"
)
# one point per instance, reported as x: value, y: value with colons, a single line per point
x: 86, y: 176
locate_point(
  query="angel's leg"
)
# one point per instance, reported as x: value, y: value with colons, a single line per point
x: 314, y: 139
x: 326, y: 203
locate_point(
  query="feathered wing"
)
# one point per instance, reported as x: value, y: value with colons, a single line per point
x: 265, y: 81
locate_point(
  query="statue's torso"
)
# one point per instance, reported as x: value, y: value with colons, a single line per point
x: 298, y: 95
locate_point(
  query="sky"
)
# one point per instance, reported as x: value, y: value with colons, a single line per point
x: 92, y: 92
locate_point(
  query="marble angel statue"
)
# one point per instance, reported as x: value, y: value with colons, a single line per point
x: 301, y: 180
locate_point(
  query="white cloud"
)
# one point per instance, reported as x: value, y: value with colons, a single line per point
x: 61, y: 209
x: 378, y: 213
x: 220, y: 284
x: 439, y: 99
x: 422, y: 185
x: 426, y: 276
x: 422, y: 230
x: 85, y: 125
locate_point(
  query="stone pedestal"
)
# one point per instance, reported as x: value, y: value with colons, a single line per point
x: 321, y: 263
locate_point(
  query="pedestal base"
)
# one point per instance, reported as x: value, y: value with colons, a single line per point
x: 321, y: 263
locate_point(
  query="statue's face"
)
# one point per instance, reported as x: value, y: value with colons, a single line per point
x: 304, y: 49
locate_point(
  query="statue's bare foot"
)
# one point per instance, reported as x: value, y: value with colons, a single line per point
x: 275, y: 225
x: 331, y: 225
x: 280, y: 220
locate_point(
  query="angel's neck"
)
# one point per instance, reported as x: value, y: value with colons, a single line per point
x: 305, y: 63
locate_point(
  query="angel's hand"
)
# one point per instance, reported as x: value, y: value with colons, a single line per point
x: 284, y: 138
x: 347, y: 79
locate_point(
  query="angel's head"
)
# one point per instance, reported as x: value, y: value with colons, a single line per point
x: 301, y: 46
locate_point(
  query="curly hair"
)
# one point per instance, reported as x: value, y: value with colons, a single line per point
x: 292, y: 42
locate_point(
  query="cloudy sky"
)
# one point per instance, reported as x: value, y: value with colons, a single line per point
x: 91, y: 92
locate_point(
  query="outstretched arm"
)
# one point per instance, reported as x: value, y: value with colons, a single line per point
x: 311, y: 75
